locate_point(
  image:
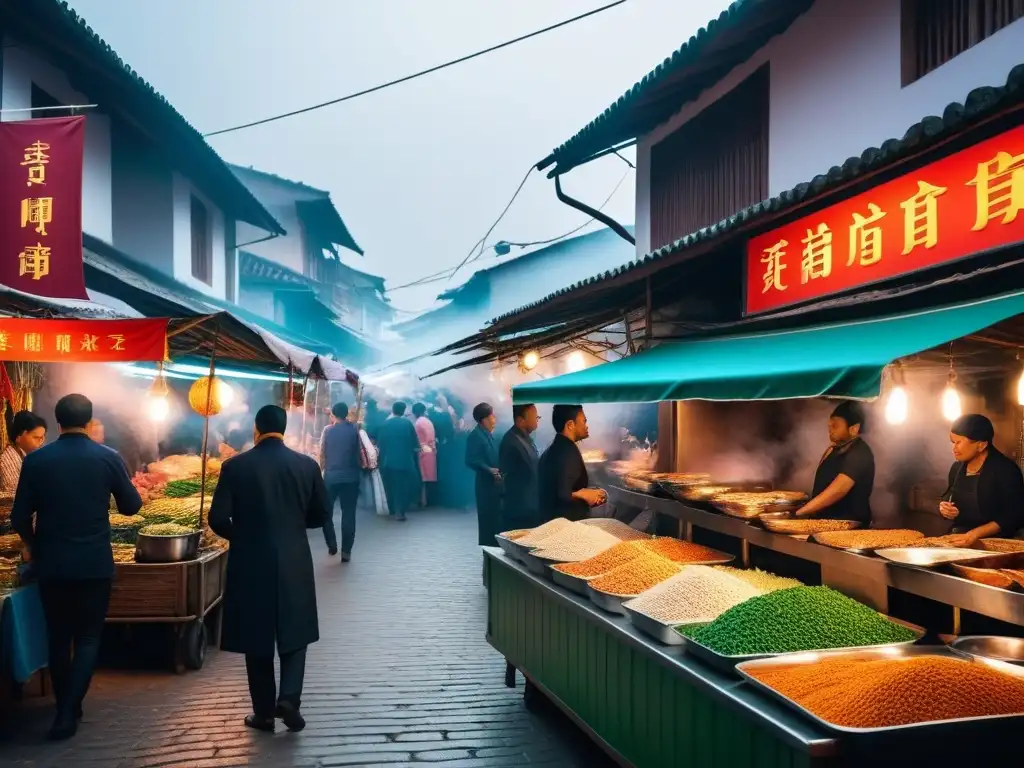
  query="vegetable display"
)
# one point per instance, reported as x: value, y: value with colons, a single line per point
x: 167, y: 529
x: 177, y: 489
x: 797, y: 619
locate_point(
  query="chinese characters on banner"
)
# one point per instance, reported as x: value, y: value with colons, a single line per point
x: 964, y: 204
x: 41, y: 206
x: 82, y: 341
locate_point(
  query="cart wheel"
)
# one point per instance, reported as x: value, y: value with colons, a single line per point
x: 194, y: 640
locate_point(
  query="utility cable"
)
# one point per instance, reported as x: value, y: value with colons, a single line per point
x: 415, y: 75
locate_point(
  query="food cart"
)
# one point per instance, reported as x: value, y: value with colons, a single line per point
x: 820, y: 321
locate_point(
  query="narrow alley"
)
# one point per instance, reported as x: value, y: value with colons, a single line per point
x: 402, y: 676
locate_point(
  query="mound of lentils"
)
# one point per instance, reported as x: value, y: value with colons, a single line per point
x: 797, y: 619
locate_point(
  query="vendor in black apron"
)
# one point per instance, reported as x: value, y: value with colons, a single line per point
x: 986, y: 489
x: 846, y: 473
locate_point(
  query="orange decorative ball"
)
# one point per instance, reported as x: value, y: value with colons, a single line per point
x: 199, y: 395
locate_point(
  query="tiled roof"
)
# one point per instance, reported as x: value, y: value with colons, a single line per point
x: 251, y: 265
x: 740, y: 30
x: 95, y: 68
x: 980, y: 103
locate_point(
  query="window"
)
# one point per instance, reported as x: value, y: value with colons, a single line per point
x: 202, y: 252
x: 41, y: 101
x: 713, y: 166
x: 935, y: 31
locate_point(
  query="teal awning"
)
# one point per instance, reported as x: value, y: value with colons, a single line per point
x: 844, y: 360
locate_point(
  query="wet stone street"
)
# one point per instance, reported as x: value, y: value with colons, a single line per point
x: 402, y: 675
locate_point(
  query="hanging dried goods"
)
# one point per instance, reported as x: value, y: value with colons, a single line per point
x: 798, y: 619
x: 889, y: 692
x: 636, y: 576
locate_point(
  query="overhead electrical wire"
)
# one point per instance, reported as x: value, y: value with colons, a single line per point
x: 414, y: 75
x: 444, y: 274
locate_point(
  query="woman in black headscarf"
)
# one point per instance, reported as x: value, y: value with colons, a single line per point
x: 986, y: 489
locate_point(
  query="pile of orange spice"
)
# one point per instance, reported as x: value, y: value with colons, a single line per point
x: 636, y: 576
x: 680, y: 551
x: 611, y: 558
x: 889, y: 692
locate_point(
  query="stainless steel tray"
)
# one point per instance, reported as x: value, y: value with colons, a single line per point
x: 1009, y: 650
x: 507, y: 546
x: 932, y: 557
x: 660, y: 631
x: 606, y: 602
x: 728, y: 663
x: 517, y: 550
x: 537, y: 565
x: 576, y: 584
x: 996, y: 726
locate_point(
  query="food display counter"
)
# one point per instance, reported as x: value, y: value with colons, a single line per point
x: 864, y: 577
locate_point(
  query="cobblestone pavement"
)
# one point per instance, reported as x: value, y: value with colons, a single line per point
x: 402, y: 675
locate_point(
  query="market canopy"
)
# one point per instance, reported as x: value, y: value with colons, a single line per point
x: 843, y: 360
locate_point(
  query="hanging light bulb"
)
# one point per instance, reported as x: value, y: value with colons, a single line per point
x: 575, y: 362
x: 530, y: 360
x: 158, y: 406
x: 897, y: 404
x: 1020, y: 388
x: 951, y: 407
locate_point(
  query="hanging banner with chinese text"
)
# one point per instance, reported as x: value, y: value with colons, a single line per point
x: 41, y: 207
x: 82, y: 341
x: 964, y: 204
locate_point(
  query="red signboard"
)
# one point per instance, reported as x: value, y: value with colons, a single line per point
x: 82, y: 341
x: 41, y: 207
x: 967, y: 203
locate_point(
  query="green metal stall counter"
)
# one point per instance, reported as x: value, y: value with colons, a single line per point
x: 647, y: 705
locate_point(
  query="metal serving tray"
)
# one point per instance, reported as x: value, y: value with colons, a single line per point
x: 660, y: 631
x: 931, y: 557
x: 537, y: 565
x: 576, y: 584
x: 728, y: 663
x: 517, y: 550
x: 1002, y: 727
x: 1009, y: 650
x: 607, y: 602
x: 507, y: 546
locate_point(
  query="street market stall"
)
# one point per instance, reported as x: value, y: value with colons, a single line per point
x: 169, y: 565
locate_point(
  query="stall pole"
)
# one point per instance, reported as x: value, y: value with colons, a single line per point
x: 305, y: 392
x: 206, y: 429
x: 316, y: 407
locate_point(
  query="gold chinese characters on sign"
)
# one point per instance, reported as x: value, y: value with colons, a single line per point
x: 967, y: 203
x: 36, y: 213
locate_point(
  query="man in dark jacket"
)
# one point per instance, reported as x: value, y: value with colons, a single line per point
x: 517, y: 460
x: 68, y: 485
x: 482, y: 458
x: 562, y: 475
x: 398, y: 445
x: 266, y: 499
x: 339, y: 458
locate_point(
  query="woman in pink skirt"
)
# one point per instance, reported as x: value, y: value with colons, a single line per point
x: 428, y: 450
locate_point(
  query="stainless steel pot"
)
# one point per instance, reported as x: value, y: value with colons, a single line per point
x: 167, y: 549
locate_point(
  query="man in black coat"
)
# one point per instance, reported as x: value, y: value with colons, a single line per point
x: 562, y: 475
x: 482, y: 458
x: 266, y: 499
x: 68, y: 485
x: 517, y: 460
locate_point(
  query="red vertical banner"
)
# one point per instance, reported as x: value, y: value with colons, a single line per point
x: 41, y: 206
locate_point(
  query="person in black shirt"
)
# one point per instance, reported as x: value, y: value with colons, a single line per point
x: 846, y: 473
x: 517, y: 461
x: 986, y: 489
x: 562, y: 475
x: 482, y: 458
x: 68, y: 485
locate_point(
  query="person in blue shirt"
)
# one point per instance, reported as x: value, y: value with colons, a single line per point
x: 339, y: 459
x: 67, y: 485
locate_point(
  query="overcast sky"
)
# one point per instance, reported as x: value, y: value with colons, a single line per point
x: 419, y: 171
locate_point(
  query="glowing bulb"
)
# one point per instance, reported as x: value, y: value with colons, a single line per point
x: 575, y: 362
x: 158, y: 408
x: 530, y: 360
x: 951, y: 408
x: 897, y: 406
x: 1020, y: 390
x: 225, y: 393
